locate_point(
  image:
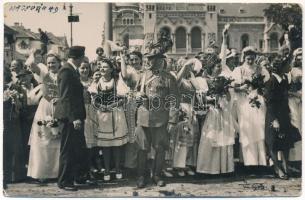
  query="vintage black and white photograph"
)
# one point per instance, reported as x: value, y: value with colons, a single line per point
x: 152, y: 99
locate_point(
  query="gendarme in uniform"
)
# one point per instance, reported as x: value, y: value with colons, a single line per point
x: 159, y: 89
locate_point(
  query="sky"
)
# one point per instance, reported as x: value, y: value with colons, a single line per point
x: 87, y: 32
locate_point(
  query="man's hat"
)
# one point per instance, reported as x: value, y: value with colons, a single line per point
x: 76, y: 51
x: 24, y: 72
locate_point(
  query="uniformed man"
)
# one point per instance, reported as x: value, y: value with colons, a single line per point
x: 156, y: 116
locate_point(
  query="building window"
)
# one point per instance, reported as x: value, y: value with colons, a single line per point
x: 126, y: 40
x: 124, y: 21
x: 127, y: 21
x: 221, y: 11
x: 180, y: 38
x: 244, y: 40
x: 274, y: 42
x: 242, y: 11
x: 228, y: 41
x: 261, y: 42
x: 211, y: 8
x: 131, y: 21
x: 196, y: 38
x: 149, y: 15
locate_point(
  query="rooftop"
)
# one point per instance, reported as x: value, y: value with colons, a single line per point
x: 23, y: 32
x: 241, y: 9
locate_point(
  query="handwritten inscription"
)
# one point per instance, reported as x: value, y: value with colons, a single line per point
x: 34, y: 8
x: 254, y: 186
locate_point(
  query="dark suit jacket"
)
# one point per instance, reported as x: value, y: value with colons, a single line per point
x: 70, y: 105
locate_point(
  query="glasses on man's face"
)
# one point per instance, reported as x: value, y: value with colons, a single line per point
x: 133, y: 59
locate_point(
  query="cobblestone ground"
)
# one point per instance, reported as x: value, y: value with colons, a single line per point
x: 203, y: 186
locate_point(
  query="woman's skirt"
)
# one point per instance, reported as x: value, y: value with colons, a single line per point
x: 44, y: 145
x: 91, y: 124
x: 295, y: 106
x: 214, y: 160
x: 112, y: 128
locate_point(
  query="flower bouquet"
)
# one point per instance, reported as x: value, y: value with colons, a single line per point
x: 255, y: 101
x: 257, y: 84
x: 295, y: 86
x: 218, y: 87
x: 51, y: 126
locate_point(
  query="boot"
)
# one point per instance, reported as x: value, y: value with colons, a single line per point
x: 142, y: 159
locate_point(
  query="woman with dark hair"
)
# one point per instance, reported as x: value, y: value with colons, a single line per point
x: 45, y: 134
x: 13, y: 148
x: 90, y: 121
x: 112, y: 130
x: 280, y: 133
x: 250, y: 108
x: 215, y: 154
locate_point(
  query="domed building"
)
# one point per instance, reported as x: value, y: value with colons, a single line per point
x: 194, y: 26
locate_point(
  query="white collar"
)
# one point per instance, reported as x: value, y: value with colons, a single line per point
x: 71, y: 63
x: 278, y: 78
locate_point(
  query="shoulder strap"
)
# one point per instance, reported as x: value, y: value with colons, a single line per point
x: 143, y: 82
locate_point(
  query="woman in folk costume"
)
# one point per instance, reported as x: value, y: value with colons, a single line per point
x: 251, y: 108
x: 280, y: 133
x: 128, y: 78
x: 184, y: 138
x: 90, y: 124
x: 215, y: 154
x: 45, y: 134
x: 295, y: 102
x: 112, y: 130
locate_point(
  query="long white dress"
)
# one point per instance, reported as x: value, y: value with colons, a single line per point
x: 295, y: 106
x: 215, y: 154
x: 251, y: 120
x: 44, y: 145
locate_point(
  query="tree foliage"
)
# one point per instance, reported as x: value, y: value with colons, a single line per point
x: 285, y: 15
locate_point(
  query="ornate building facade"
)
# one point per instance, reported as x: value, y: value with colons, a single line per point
x: 195, y: 26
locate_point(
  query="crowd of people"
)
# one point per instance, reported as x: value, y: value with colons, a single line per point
x: 73, y: 120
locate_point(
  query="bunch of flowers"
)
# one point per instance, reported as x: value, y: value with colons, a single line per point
x: 50, y: 127
x: 219, y: 86
x: 49, y: 122
x: 295, y: 86
x: 256, y: 83
x: 13, y: 93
